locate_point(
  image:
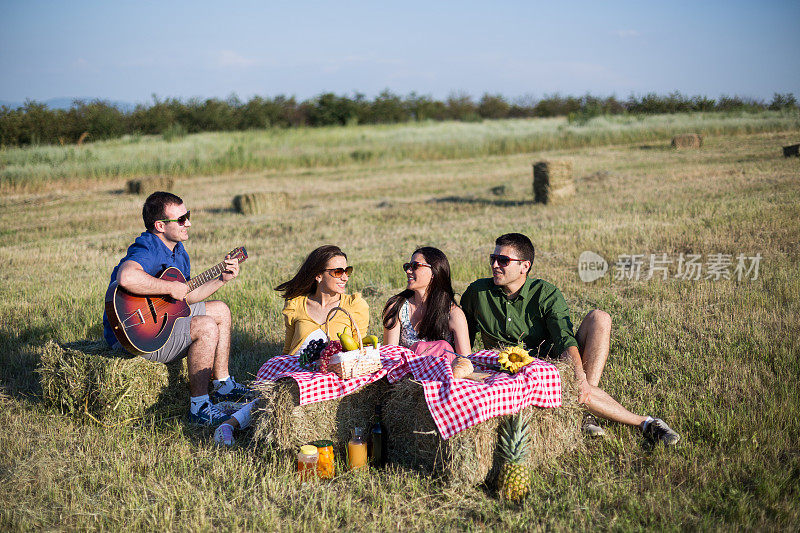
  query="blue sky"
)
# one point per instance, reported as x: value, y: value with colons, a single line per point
x: 127, y: 51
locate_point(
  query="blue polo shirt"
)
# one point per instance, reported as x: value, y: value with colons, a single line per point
x: 154, y: 257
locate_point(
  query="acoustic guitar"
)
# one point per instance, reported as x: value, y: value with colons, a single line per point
x: 143, y: 324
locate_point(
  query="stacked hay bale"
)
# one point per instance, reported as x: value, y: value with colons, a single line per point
x: 470, y: 457
x: 258, y: 203
x: 86, y: 379
x: 552, y: 180
x: 687, y: 140
x: 793, y: 150
x: 286, y: 425
x: 147, y: 186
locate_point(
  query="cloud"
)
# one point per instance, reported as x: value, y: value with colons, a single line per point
x: 625, y: 34
x: 230, y: 59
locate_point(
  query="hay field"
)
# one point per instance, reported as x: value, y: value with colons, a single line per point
x: 717, y: 359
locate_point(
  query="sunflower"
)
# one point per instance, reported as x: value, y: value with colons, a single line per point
x: 513, y: 359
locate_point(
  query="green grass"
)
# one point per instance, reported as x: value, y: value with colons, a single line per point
x: 32, y: 169
x: 716, y: 359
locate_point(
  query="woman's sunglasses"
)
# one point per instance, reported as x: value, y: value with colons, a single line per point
x: 181, y: 220
x: 414, y: 265
x: 502, y: 260
x: 339, y: 272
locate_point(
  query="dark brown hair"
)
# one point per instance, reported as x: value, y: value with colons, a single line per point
x: 520, y: 243
x: 154, y: 207
x: 435, y: 323
x: 304, y: 283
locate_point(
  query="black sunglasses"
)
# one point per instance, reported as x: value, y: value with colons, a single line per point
x: 339, y: 272
x: 414, y: 265
x: 181, y: 220
x: 502, y: 260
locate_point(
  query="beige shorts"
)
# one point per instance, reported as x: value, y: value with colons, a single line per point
x: 177, y: 346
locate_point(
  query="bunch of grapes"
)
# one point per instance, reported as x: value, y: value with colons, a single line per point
x: 311, y: 352
x: 329, y: 351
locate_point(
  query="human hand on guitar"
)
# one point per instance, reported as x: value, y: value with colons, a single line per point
x: 231, y: 269
x: 178, y: 290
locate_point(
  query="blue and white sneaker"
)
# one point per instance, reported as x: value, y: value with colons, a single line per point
x: 236, y: 393
x: 208, y: 415
x: 223, y: 435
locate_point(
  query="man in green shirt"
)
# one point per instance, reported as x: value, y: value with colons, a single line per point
x: 510, y: 308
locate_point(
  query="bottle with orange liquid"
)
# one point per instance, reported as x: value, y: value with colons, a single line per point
x: 357, y: 450
x: 307, y: 462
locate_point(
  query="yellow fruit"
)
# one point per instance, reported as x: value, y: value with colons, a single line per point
x: 514, y: 358
x: 371, y: 340
x: 348, y: 342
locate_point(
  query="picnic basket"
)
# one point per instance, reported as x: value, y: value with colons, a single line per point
x: 355, y: 363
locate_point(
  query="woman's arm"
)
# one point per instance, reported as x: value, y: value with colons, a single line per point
x: 392, y: 336
x: 289, y: 312
x: 458, y: 325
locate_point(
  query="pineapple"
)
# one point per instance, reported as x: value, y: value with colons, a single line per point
x: 515, y: 477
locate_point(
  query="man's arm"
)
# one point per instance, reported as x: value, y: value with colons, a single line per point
x: 132, y: 277
x: 572, y: 355
x: 207, y: 289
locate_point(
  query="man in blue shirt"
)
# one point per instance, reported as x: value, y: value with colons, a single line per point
x: 205, y: 336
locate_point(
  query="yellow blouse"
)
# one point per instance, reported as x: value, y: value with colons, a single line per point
x: 299, y: 325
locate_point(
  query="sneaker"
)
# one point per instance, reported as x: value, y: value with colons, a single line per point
x: 591, y: 426
x: 208, y: 415
x: 658, y: 431
x: 238, y: 393
x: 224, y: 435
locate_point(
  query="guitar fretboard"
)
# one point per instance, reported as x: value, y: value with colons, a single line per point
x: 212, y: 273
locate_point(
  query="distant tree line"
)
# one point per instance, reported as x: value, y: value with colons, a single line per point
x: 35, y: 123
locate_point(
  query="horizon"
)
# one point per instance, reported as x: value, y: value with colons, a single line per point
x: 123, y: 53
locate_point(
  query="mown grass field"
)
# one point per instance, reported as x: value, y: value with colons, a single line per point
x: 717, y: 359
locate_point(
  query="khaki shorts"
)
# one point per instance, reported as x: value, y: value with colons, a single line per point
x: 177, y: 346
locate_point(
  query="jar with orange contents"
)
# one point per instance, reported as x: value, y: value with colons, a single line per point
x: 326, y: 469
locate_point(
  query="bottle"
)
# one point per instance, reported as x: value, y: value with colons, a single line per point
x: 357, y: 450
x: 307, y: 461
x: 377, y: 441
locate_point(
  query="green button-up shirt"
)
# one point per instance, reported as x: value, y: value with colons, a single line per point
x: 538, y: 317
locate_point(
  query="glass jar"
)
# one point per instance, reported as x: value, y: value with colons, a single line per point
x: 326, y: 468
x: 307, y: 461
x: 357, y: 450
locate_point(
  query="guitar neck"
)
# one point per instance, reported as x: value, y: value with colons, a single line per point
x: 201, y: 279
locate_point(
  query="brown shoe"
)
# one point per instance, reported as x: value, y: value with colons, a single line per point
x: 591, y: 426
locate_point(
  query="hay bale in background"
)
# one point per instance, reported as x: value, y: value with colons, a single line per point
x: 258, y: 203
x: 687, y: 140
x: 791, y: 150
x: 147, y: 186
x: 470, y: 457
x: 86, y: 378
x: 552, y: 180
x: 286, y: 425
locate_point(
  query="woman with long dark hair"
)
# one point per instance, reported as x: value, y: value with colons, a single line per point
x: 318, y: 287
x: 426, y: 310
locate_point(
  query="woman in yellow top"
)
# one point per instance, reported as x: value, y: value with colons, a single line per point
x: 318, y: 287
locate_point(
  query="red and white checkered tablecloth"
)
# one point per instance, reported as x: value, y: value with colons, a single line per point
x: 318, y: 387
x: 456, y: 405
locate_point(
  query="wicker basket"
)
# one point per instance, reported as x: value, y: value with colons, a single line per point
x: 354, y: 363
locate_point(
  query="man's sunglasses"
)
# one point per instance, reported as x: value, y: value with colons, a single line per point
x: 502, y: 260
x: 339, y: 272
x: 414, y: 265
x: 181, y: 220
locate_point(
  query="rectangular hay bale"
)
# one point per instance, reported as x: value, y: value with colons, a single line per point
x: 793, y: 150
x: 286, y: 425
x: 470, y: 457
x: 687, y: 140
x: 147, y: 186
x: 258, y: 203
x: 552, y: 180
x: 88, y: 379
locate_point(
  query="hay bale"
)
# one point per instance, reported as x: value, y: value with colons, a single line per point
x: 88, y: 379
x: 258, y: 203
x: 470, y: 457
x: 552, y: 180
x: 147, y: 186
x: 793, y: 150
x: 687, y: 140
x: 286, y: 425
